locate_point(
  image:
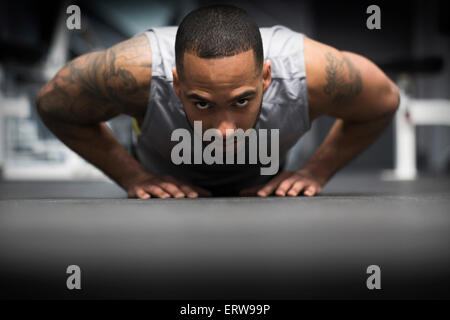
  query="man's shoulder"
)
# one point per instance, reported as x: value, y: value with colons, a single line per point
x: 280, y: 41
x: 128, y: 72
x: 332, y: 77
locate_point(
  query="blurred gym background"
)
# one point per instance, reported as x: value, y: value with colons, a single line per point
x: 412, y: 47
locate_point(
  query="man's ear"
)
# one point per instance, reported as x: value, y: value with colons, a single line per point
x: 176, y: 82
x: 267, y: 75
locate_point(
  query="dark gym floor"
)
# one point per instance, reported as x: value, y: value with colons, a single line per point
x: 231, y: 248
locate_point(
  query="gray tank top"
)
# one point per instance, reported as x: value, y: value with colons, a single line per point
x: 284, y: 107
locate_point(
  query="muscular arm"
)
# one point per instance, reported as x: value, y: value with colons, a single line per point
x: 357, y: 93
x: 92, y: 89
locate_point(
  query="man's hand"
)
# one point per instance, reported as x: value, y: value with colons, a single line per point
x: 162, y: 186
x: 288, y: 183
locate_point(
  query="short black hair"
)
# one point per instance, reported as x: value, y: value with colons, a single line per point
x: 217, y: 31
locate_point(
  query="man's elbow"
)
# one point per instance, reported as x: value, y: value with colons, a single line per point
x: 391, y: 99
x: 43, y: 101
x: 39, y: 103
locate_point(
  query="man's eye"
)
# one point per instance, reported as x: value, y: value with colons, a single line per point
x: 202, y: 105
x: 242, y: 102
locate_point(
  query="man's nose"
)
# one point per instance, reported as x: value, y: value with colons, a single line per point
x: 225, y: 126
x: 225, y: 122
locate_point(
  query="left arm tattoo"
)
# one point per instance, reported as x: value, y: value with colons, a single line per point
x: 343, y: 79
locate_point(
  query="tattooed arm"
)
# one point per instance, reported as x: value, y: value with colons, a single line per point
x: 94, y: 88
x: 357, y: 93
x: 345, y: 85
x: 352, y: 89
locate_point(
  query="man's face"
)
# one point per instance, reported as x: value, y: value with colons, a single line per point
x: 223, y: 93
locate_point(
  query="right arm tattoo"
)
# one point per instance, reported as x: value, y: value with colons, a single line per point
x: 100, y: 85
